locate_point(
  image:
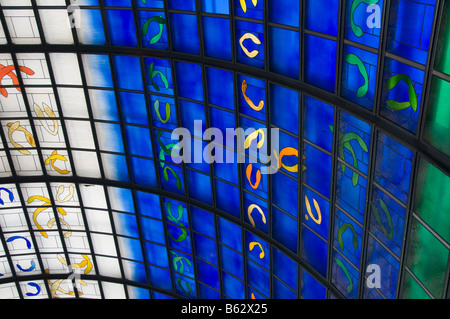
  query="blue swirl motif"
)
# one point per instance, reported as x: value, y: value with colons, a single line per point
x: 33, y: 264
x: 38, y: 289
x: 11, y: 195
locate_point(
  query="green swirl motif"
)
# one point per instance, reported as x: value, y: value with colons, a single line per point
x: 347, y: 274
x: 355, y: 60
x: 344, y: 142
x: 389, y: 234
x: 168, y: 112
x: 162, y: 157
x: 341, y: 232
x: 161, y: 21
x: 356, y: 28
x: 153, y: 73
x: 412, y: 95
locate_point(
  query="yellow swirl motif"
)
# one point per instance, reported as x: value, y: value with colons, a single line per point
x: 253, y: 244
x: 53, y: 158
x: 250, y: 210
x: 50, y: 114
x: 30, y: 139
x: 68, y: 197
x: 317, y: 220
x: 253, y: 136
x: 248, y: 100
x: 255, y: 40
x: 244, y: 4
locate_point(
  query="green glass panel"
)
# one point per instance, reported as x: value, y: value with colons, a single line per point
x: 443, y: 50
x: 432, y: 202
x: 427, y: 258
x: 438, y: 116
x: 411, y: 289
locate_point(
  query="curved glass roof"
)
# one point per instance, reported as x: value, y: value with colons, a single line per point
x: 339, y: 187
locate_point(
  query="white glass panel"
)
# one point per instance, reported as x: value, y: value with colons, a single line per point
x: 66, y: 68
x: 8, y: 192
x: 86, y: 164
x: 8, y: 291
x: 12, y: 106
x: 22, y: 26
x: 3, y: 39
x: 80, y: 134
x: 93, y: 196
x: 51, y: 2
x: 28, y: 165
x: 37, y: 67
x: 56, y: 26
x: 5, y: 169
x: 15, y: 3
x: 109, y: 137
x: 108, y: 267
x: 104, y: 244
x: 98, y: 221
x: 77, y: 242
x: 50, y: 244
x: 74, y: 218
x: 34, y: 190
x: 13, y: 220
x: 5, y: 270
x: 73, y: 102
x: 53, y: 264
x: 113, y: 291
x: 91, y: 290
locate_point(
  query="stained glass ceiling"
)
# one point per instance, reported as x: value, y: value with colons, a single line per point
x: 91, y: 91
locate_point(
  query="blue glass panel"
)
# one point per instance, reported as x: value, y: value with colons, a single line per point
x: 138, y: 293
x: 113, y: 136
x: 318, y: 117
x: 318, y: 169
x: 199, y: 186
x: 215, y: 46
x: 216, y: 6
x: 350, y: 196
x: 134, y: 109
x: 250, y: 43
x: 411, y: 40
x: 138, y: 141
x: 227, y: 171
x: 182, y: 4
x: 249, y: 10
x: 171, y: 178
x: 220, y: 88
x: 320, y: 61
x: 252, y: 96
x: 126, y: 225
x: 143, y: 171
x: 389, y: 267
x: 284, y: 52
x: 208, y: 274
x: 193, y: 119
x: 232, y: 287
x: 387, y: 221
x: 284, y: 108
x: 363, y: 22
x: 249, y: 184
x: 115, y: 167
x: 160, y: 278
x: 284, y: 193
x: 157, y: 295
x: 231, y: 262
x: 319, y: 19
x: 317, y: 220
x: 230, y: 234
x: 153, y: 31
x: 156, y: 255
x: 121, y: 28
x: 203, y: 222
x: 100, y: 65
x: 152, y: 230
x: 117, y: 3
x: 227, y: 198
x: 207, y: 293
x: 402, y: 94
x: 344, y: 277
x: 92, y: 31
x: 189, y: 80
x: 130, y: 248
x: 159, y: 4
x: 176, y: 212
x: 359, y: 76
x: 104, y: 103
x: 284, y: 268
x: 179, y: 238
x: 347, y: 237
x: 127, y: 70
x: 205, y: 248
x: 160, y: 80
x: 121, y: 199
x: 310, y: 288
x: 87, y: 2
x: 281, y: 291
x: 184, y: 32
x: 284, y: 12
x: 148, y: 204
x: 284, y: 229
x: 314, y: 250
x: 393, y: 166
x: 182, y: 263
x: 135, y: 271
x: 258, y: 278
